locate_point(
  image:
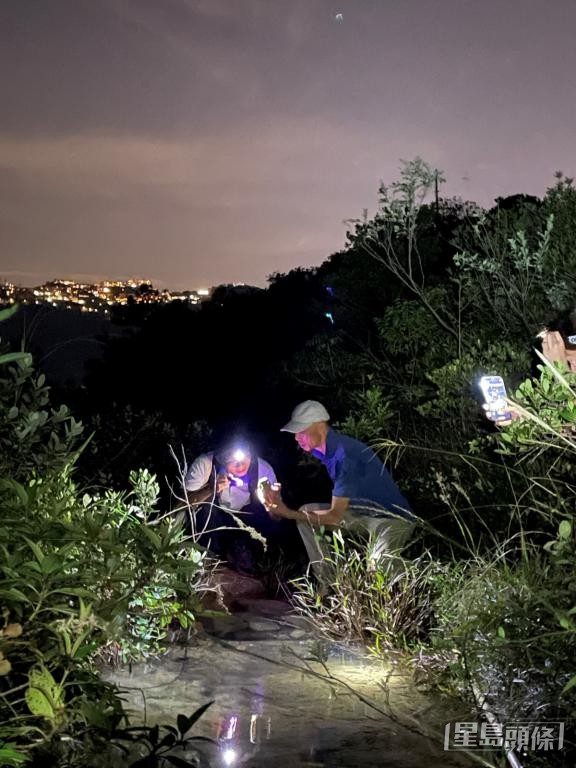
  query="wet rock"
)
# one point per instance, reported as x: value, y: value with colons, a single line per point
x: 263, y: 625
x: 267, y: 713
x: 271, y: 609
x: 228, y: 586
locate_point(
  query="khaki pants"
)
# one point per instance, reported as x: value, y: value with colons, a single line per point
x: 388, y: 536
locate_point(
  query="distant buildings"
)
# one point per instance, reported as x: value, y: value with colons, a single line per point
x: 96, y: 297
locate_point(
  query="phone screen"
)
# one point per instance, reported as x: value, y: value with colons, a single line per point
x: 494, y: 392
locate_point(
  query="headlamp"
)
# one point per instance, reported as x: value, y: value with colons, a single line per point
x: 239, y: 455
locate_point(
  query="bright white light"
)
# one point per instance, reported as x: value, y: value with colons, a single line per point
x: 231, y: 727
x: 253, y: 726
x: 239, y: 455
x: 229, y: 756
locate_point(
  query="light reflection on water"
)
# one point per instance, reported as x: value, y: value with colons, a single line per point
x: 268, y: 714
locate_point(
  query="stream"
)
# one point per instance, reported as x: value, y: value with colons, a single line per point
x: 283, y: 698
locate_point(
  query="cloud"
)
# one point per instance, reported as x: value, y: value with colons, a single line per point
x: 229, y: 205
x: 245, y: 156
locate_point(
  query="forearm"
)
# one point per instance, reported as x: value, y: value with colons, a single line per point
x: 318, y: 518
x: 202, y: 494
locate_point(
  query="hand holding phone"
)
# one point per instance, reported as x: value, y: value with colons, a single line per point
x: 495, y: 398
x: 268, y: 493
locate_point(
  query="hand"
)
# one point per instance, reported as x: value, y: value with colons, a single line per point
x: 491, y: 415
x: 222, y: 482
x: 553, y: 347
x: 272, y: 497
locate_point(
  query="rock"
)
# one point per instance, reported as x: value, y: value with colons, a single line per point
x: 263, y: 625
x: 231, y: 586
x: 269, y: 609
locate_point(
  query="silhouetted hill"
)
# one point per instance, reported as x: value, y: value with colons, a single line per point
x: 61, y: 340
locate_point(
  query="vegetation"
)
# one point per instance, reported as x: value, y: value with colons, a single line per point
x: 391, y: 334
x: 483, y: 605
x: 488, y: 618
x: 83, y: 576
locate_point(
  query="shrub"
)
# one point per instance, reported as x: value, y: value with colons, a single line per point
x: 79, y: 574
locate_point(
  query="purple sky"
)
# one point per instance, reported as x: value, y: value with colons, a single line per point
x: 204, y: 141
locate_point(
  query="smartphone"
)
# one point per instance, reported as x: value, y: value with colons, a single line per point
x: 263, y: 485
x: 570, y: 341
x: 494, y: 393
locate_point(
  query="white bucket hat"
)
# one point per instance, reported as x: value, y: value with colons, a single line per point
x: 307, y: 413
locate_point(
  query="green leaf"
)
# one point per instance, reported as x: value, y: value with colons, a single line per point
x: 86, y: 650
x: 565, y: 622
x: 5, y: 666
x: 152, y: 537
x: 565, y: 530
x: 196, y: 556
x: 13, y: 594
x: 7, y: 313
x: 12, y: 357
x: 51, y: 563
x: 94, y: 714
x: 9, y: 756
x: 570, y: 684
x: 39, y: 704
x: 18, y: 489
x: 501, y: 632
x: 74, y: 591
x: 38, y: 554
x: 44, y: 696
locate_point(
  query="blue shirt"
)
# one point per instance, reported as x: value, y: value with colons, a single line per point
x: 359, y: 475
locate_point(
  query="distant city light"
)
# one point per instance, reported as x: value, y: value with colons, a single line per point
x: 96, y: 297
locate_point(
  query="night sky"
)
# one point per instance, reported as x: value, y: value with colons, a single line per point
x: 196, y: 142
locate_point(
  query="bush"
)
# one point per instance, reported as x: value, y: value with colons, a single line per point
x: 81, y: 576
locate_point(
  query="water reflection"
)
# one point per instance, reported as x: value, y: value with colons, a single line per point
x: 239, y: 736
x: 266, y: 713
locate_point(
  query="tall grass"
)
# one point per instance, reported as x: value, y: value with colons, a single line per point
x: 483, y: 606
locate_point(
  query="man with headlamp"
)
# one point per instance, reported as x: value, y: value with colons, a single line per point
x: 226, y: 481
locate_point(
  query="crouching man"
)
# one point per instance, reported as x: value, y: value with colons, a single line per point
x: 364, y: 496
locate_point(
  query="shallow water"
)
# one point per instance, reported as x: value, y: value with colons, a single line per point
x: 276, y: 706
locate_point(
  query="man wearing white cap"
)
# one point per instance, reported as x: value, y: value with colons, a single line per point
x: 364, y: 495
